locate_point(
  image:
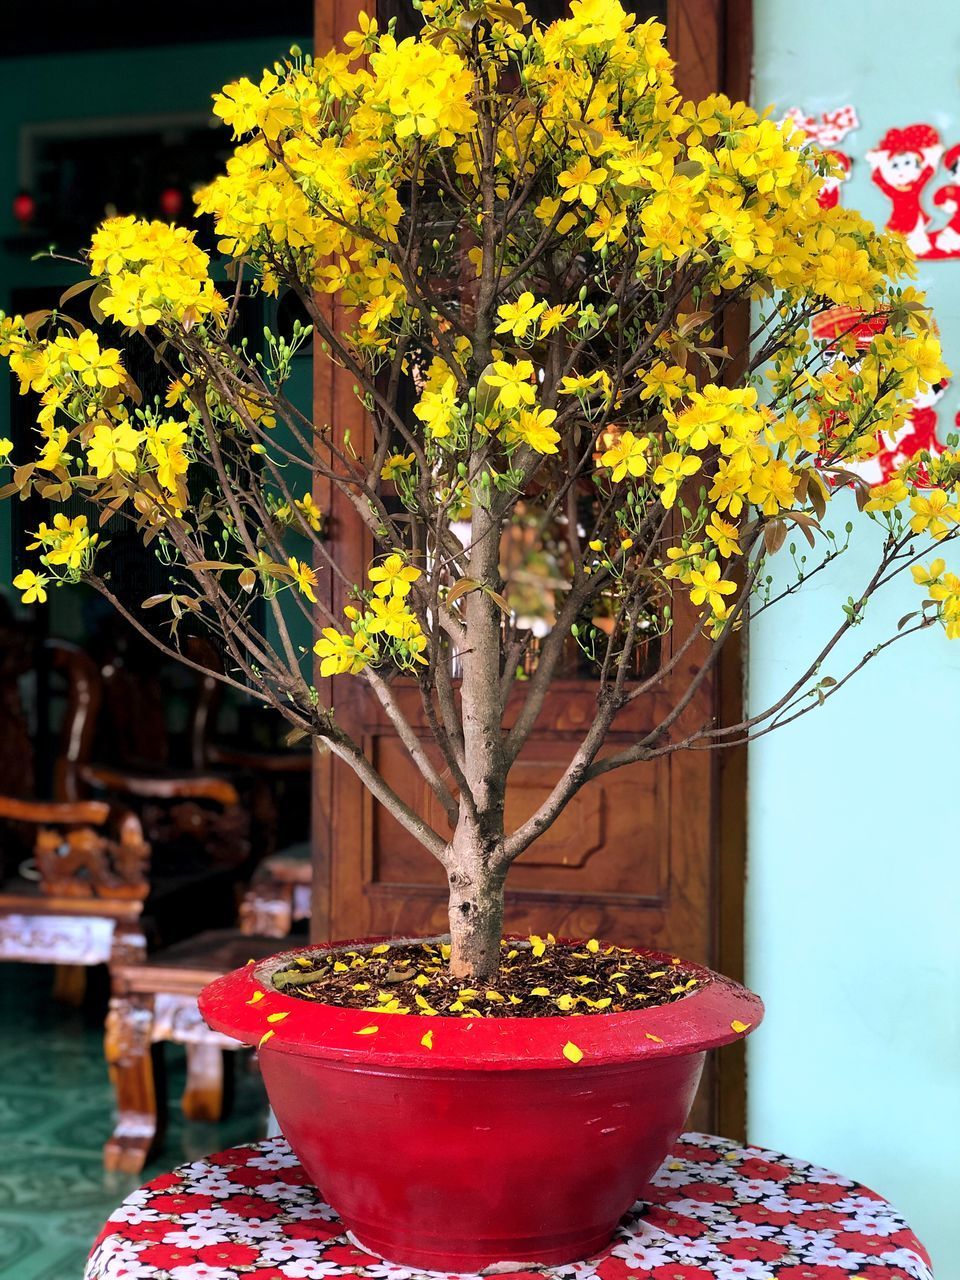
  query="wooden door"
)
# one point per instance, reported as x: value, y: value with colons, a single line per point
x: 651, y: 854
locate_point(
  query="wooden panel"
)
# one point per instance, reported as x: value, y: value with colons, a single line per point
x: 604, y: 846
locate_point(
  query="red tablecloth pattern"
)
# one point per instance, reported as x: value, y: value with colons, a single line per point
x: 716, y: 1211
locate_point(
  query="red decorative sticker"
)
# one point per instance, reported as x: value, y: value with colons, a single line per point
x: 903, y: 165
x: 826, y: 131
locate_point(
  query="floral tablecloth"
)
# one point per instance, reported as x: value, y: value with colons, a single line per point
x: 715, y: 1209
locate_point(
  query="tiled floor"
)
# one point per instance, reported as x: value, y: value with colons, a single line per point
x: 55, y: 1113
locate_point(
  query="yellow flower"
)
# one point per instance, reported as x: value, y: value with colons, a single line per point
x: 929, y: 576
x: 393, y: 577
x: 68, y: 542
x: 668, y: 383
x: 772, y: 486
x: 580, y: 182
x: 514, y: 383
x: 165, y: 443
x: 113, y: 449
x: 396, y: 465
x: 304, y: 577
x: 96, y: 368
x: 670, y: 474
x: 311, y: 513
x: 392, y: 617
x: 933, y: 515
x: 533, y: 428
x: 580, y: 383
x: 607, y: 228
x: 341, y: 654
x: 724, y: 535
x: 436, y: 408
x: 554, y: 317
x: 33, y: 585
x: 425, y: 89
x: 627, y: 456
x: 52, y: 453
x: 884, y: 497
x: 731, y: 484
x: 517, y: 317
x: 6, y: 447
x: 708, y: 586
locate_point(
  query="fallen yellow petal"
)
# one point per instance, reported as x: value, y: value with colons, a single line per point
x: 427, y: 1040
x: 277, y: 1017
x: 740, y: 1026
x: 593, y: 945
x: 572, y: 1052
x: 264, y: 1038
x: 255, y: 998
x: 655, y: 1039
x: 366, y: 1031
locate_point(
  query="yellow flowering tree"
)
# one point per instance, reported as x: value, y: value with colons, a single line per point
x: 533, y: 236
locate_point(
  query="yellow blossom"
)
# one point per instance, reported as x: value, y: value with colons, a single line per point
x: 627, y: 456
x: 674, y: 468
x: 517, y: 317
x: 934, y: 514
x: 113, y: 448
x: 580, y: 182
x: 393, y: 577
x: 304, y: 578
x: 33, y: 585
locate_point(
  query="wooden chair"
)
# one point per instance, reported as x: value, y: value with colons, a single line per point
x: 198, y: 832
x: 280, y: 893
x: 79, y: 899
x: 155, y: 1001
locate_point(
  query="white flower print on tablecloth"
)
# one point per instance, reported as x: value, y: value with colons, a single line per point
x: 715, y: 1211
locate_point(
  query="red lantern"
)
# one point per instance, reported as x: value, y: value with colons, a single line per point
x: 171, y: 202
x: 24, y: 208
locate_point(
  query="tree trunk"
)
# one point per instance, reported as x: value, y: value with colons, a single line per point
x: 476, y: 921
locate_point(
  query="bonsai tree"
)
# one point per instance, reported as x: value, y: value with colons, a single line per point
x: 536, y: 247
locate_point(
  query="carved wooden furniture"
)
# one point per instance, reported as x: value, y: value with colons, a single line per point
x: 79, y: 899
x: 155, y: 1001
x: 198, y: 832
x: 280, y: 893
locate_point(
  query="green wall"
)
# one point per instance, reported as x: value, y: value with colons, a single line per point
x: 854, y: 878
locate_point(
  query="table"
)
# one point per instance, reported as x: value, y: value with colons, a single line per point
x: 716, y: 1211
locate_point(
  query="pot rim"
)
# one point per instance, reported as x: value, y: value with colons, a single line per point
x: 716, y: 1013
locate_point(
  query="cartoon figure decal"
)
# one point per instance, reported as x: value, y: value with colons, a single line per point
x: 947, y: 198
x: 919, y: 432
x: 903, y: 166
x: 826, y: 131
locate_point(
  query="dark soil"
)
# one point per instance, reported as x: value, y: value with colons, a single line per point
x: 539, y: 978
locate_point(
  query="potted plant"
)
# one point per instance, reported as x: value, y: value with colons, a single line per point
x: 535, y: 245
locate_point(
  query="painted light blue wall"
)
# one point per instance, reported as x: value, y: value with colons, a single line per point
x: 853, y: 898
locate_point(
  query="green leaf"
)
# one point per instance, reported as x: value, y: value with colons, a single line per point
x: 688, y: 168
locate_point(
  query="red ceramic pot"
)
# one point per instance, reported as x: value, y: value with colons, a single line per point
x: 491, y: 1145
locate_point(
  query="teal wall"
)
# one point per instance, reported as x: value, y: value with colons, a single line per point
x: 854, y: 878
